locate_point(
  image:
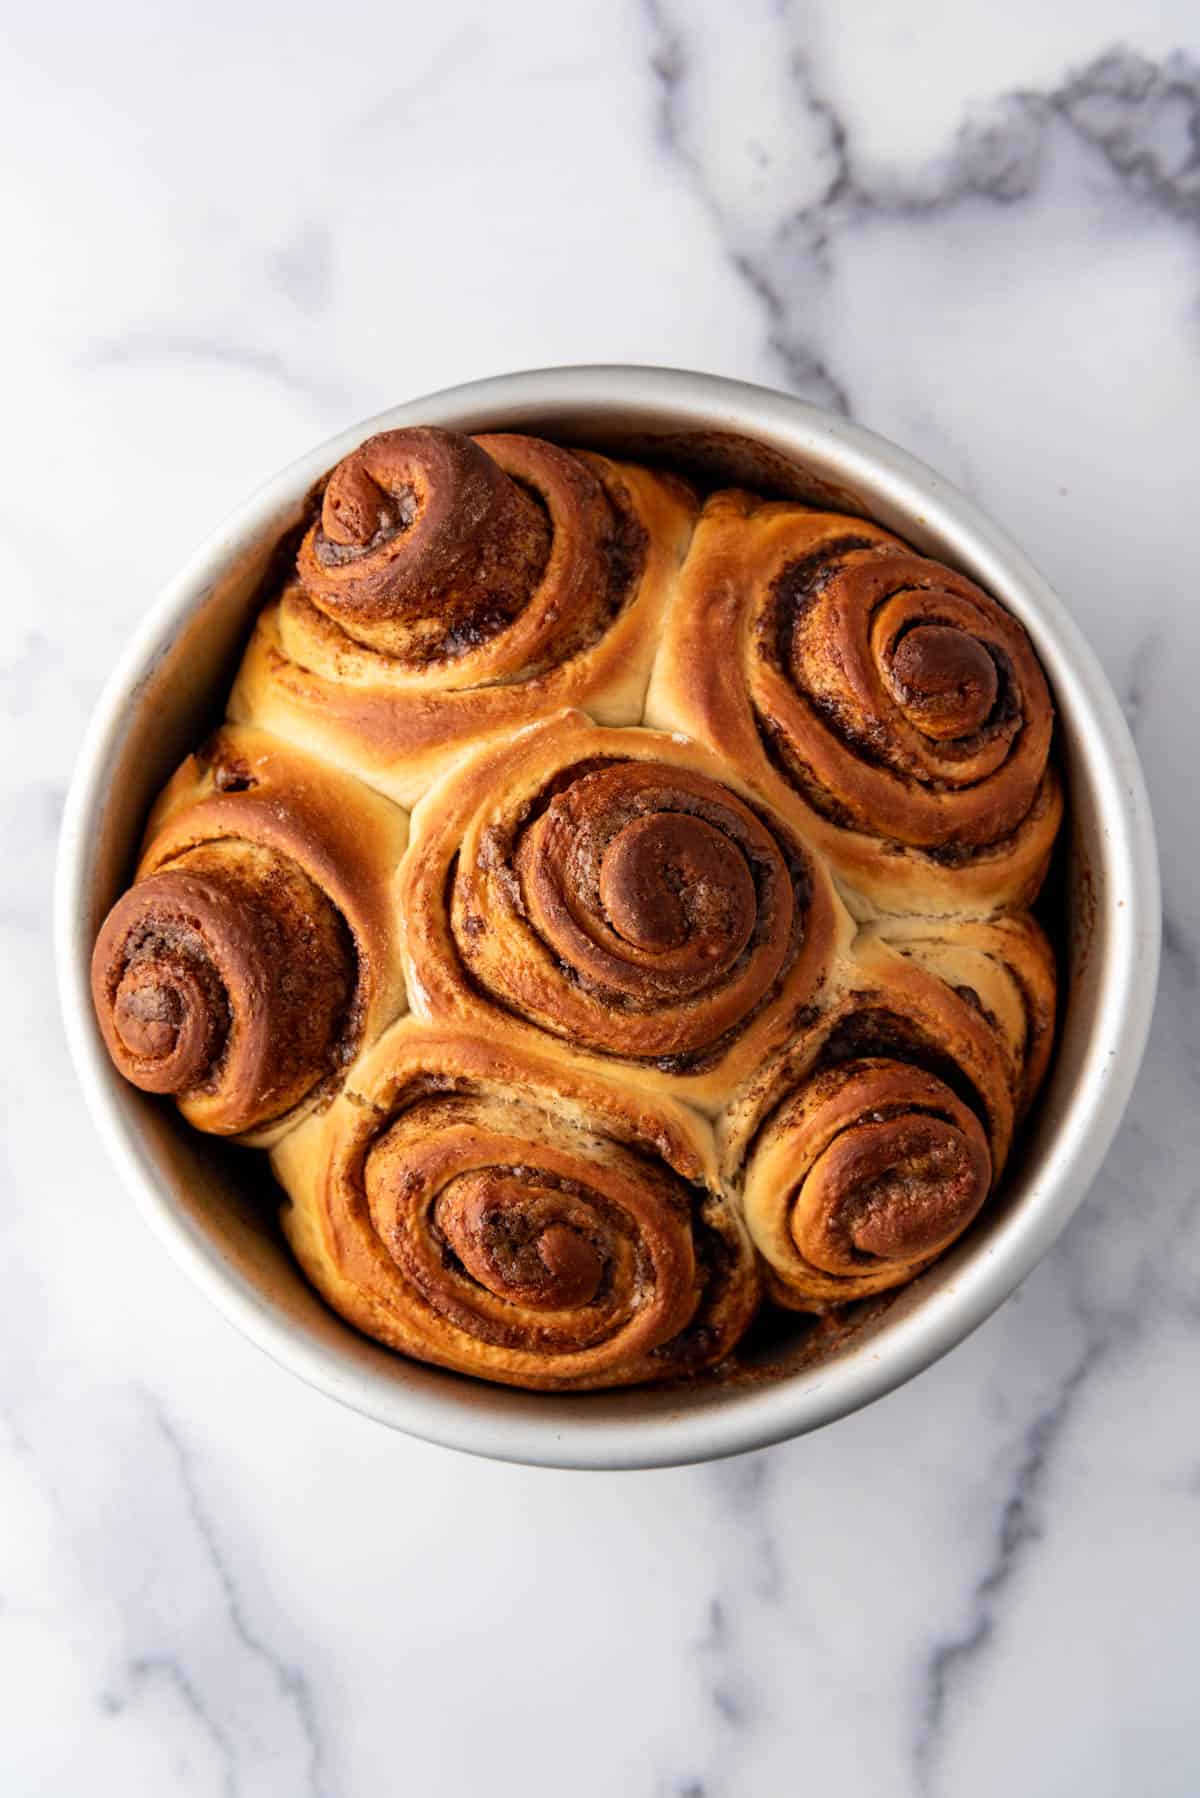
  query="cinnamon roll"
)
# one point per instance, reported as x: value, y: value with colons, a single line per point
x: 453, y: 587
x: 703, y: 970
x: 885, y: 704
x: 479, y: 1207
x: 258, y: 946
x: 865, y: 1149
x: 620, y: 891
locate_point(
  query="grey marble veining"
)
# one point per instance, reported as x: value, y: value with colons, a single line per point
x: 226, y: 236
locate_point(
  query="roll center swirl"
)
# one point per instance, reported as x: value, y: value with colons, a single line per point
x: 669, y: 879
x: 944, y: 680
x: 223, y: 978
x: 148, y: 1012
x: 906, y: 1186
x: 169, y: 1009
x: 360, y: 515
x: 512, y: 1236
x: 423, y: 546
x: 638, y: 907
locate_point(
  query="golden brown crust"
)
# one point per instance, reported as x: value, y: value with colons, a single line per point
x: 619, y: 891
x: 1004, y: 968
x: 869, y: 1145
x: 608, y: 933
x: 883, y: 703
x: 477, y: 1206
x: 258, y: 947
x: 225, y: 980
x: 585, y: 634
x: 424, y: 548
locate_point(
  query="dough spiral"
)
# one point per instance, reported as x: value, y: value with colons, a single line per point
x: 618, y: 891
x: 259, y: 944
x: 882, y: 701
x: 703, y: 970
x: 865, y: 1150
x: 454, y: 587
x: 480, y: 1207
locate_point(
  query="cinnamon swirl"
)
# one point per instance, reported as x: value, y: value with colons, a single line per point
x: 478, y: 1206
x: 259, y: 945
x: 620, y: 891
x: 703, y: 972
x: 455, y: 587
x: 885, y: 704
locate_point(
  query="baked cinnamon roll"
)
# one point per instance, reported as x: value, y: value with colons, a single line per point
x: 703, y: 970
x: 867, y: 1148
x: 477, y: 1206
x: 886, y: 705
x: 453, y: 587
x: 622, y: 892
x: 259, y: 945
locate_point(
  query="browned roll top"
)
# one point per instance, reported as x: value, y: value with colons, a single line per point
x: 943, y: 680
x: 930, y: 717
x: 224, y: 978
x: 883, y: 703
x: 903, y: 1173
x: 521, y: 1247
x: 711, y: 911
x: 873, y: 1141
x: 456, y: 587
x: 608, y: 888
x: 424, y: 546
x: 651, y: 885
x: 525, y: 1236
x: 862, y: 1176
x: 491, y: 1211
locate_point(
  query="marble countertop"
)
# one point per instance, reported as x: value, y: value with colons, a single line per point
x: 974, y: 229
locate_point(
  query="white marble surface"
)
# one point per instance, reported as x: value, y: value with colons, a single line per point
x: 974, y: 228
